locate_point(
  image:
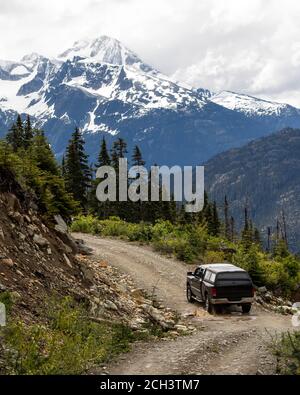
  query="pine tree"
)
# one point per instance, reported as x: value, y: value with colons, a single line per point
x: 226, y: 218
x: 42, y: 154
x: 77, y: 170
x: 137, y: 159
x: 28, y: 133
x: 136, y: 210
x: 247, y: 233
x: 63, y: 167
x: 119, y: 150
x: 215, y: 220
x: 15, y: 136
x: 209, y: 219
x: 269, y: 239
x: 103, y: 157
x: 101, y: 209
x: 256, y: 237
x: 19, y: 123
x: 232, y: 229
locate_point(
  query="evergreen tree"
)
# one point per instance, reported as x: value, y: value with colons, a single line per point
x: 281, y: 249
x: 256, y: 237
x: 63, y: 167
x: 209, y: 219
x: 15, y: 136
x: 215, y: 220
x: 42, y: 154
x: 226, y: 218
x: 101, y: 209
x: 28, y: 133
x: 136, y: 210
x: 247, y: 233
x: 232, y: 229
x: 269, y: 239
x: 137, y: 159
x: 119, y: 150
x: 202, y: 214
x: 103, y: 157
x: 77, y: 170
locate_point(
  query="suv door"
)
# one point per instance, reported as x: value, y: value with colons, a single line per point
x: 197, y: 282
x: 206, y: 276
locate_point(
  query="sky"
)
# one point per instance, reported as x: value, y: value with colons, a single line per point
x: 247, y: 46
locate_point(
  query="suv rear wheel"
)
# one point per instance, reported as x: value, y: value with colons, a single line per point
x: 189, y: 294
x: 209, y: 307
x: 246, y: 308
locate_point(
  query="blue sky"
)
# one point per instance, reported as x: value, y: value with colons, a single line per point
x: 250, y: 46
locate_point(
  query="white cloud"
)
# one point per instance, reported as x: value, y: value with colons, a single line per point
x: 251, y: 46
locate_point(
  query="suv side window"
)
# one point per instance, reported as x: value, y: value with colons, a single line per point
x: 213, y: 277
x: 198, y: 273
x: 207, y: 275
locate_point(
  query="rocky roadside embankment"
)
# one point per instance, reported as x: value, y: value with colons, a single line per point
x: 40, y: 260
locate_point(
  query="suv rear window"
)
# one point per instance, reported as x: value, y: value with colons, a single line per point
x: 242, y: 276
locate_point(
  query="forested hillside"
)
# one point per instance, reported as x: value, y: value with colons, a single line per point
x: 264, y: 177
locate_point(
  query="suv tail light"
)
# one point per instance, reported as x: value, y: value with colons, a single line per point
x: 253, y: 292
x: 213, y: 292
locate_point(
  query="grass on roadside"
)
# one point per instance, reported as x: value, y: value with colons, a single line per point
x: 287, y: 350
x: 67, y: 343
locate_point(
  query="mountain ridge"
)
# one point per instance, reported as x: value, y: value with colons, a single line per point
x: 107, y: 90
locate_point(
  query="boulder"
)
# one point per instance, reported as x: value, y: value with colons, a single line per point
x: 262, y: 290
x: 61, y: 225
x: 84, y: 250
x: 40, y: 240
x: 110, y: 305
x: 8, y: 262
x: 87, y: 273
x: 67, y: 260
x: 181, y: 328
x: 157, y: 317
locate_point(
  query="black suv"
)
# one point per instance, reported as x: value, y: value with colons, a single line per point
x: 218, y: 285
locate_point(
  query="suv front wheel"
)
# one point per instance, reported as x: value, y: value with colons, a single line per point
x: 189, y: 294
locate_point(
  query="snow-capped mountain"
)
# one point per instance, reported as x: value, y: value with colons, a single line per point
x: 251, y: 106
x: 105, y: 88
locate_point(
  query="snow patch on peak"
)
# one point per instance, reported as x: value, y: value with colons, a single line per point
x: 103, y: 49
x: 107, y: 50
x: 32, y: 59
x: 248, y: 105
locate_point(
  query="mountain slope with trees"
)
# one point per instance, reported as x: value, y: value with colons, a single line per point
x: 264, y: 177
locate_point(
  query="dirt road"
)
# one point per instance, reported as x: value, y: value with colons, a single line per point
x: 225, y: 344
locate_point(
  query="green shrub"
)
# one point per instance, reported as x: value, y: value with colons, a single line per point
x: 7, y: 300
x: 214, y: 257
x: 69, y: 343
x: 287, y: 351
